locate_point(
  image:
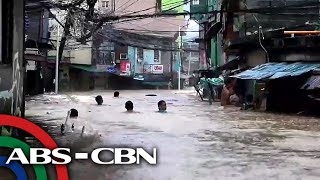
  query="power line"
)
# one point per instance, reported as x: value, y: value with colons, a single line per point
x: 257, y: 10
x: 143, y: 10
x: 149, y: 30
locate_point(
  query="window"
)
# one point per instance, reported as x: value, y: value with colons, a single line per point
x: 105, y: 4
x: 156, y: 56
x: 196, y: 2
x: 123, y: 56
x: 140, y: 53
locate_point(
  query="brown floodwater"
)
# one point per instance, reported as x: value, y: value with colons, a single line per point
x: 194, y: 140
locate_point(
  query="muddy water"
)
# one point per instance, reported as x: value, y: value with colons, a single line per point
x: 194, y: 140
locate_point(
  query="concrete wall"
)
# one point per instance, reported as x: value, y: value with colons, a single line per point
x: 165, y: 58
x: 81, y: 56
x: 12, y: 75
x: 77, y: 56
x: 137, y: 67
x: 255, y: 58
x: 315, y: 56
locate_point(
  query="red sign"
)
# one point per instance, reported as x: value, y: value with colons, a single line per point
x: 124, y: 66
x: 157, y: 69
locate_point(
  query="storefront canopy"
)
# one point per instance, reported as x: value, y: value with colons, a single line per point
x: 277, y: 70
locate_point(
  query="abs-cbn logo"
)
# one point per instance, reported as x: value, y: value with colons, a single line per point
x: 121, y: 156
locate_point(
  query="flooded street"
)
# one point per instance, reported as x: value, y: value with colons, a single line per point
x: 194, y: 140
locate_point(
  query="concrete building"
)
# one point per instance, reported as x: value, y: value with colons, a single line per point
x: 12, y: 66
x: 280, y: 64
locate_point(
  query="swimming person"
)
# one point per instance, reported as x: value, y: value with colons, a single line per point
x: 116, y: 94
x: 162, y: 106
x: 99, y: 100
x: 129, y: 106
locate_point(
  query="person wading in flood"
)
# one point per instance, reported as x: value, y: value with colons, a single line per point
x: 99, y: 100
x: 116, y: 94
x: 162, y: 106
x: 227, y: 91
x: 129, y: 106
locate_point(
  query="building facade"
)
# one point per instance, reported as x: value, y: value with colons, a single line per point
x: 12, y: 66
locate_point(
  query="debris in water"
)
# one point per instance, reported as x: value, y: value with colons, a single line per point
x: 151, y: 95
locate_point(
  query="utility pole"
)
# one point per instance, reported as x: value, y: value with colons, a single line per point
x: 57, y: 60
x: 190, y: 56
x: 180, y: 59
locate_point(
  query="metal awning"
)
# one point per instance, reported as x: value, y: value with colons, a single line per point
x: 87, y: 68
x: 312, y: 83
x: 277, y: 70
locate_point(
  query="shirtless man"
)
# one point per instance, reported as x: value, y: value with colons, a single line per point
x: 227, y: 91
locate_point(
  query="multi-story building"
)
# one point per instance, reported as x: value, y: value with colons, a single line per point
x: 123, y: 48
x: 146, y: 45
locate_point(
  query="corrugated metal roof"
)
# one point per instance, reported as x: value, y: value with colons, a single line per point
x: 277, y: 70
x: 312, y: 83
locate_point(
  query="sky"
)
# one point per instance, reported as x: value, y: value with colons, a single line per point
x: 193, y: 25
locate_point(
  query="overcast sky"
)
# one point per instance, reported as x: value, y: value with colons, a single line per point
x: 193, y: 26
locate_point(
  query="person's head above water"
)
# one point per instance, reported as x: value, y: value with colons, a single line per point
x: 99, y: 100
x: 74, y: 113
x: 129, y: 106
x: 162, y: 106
x: 116, y: 94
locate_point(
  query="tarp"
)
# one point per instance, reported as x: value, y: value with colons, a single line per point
x: 89, y: 68
x: 312, y: 83
x: 277, y: 70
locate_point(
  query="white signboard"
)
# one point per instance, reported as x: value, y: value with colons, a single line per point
x: 128, y: 67
x: 157, y: 69
x: 31, y: 66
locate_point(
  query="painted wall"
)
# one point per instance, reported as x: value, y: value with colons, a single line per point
x: 132, y: 59
x: 148, y: 55
x: 81, y: 56
x: 12, y: 75
x: 169, y: 4
x: 255, y: 58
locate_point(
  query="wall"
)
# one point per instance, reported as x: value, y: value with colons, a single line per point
x: 255, y: 58
x: 275, y: 21
x: 291, y: 56
x: 169, y: 4
x: 11, y: 90
x: 77, y: 56
x: 133, y: 60
x: 137, y: 67
x: 81, y: 56
x: 148, y: 26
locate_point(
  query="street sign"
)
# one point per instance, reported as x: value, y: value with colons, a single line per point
x: 157, y: 69
x: 153, y: 69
